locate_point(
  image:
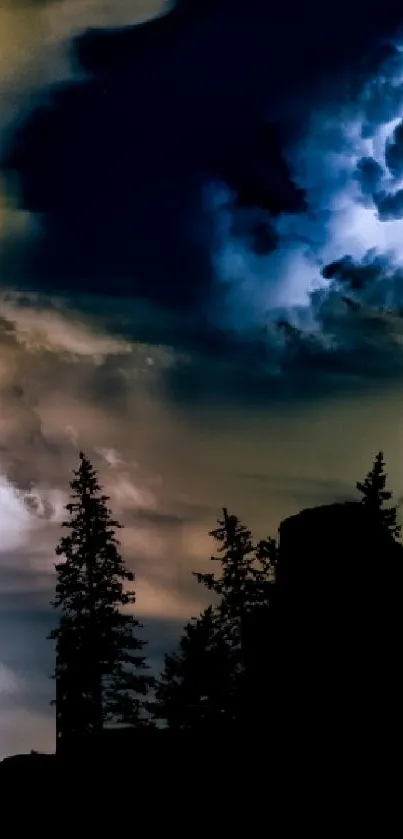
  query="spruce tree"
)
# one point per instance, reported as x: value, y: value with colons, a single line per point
x: 99, y: 666
x: 243, y: 588
x: 196, y: 689
x: 375, y: 495
x: 246, y: 579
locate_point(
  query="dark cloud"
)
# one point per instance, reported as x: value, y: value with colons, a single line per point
x: 374, y: 280
x: 138, y: 154
x: 382, y: 97
x: 394, y: 152
x: 357, y: 276
x: 304, y: 489
x: 390, y: 205
x: 369, y: 175
x: 114, y: 166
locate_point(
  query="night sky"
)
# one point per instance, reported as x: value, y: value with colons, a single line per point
x: 201, y: 267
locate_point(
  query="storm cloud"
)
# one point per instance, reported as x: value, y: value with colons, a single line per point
x: 177, y: 188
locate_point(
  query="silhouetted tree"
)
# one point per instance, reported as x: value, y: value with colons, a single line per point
x: 375, y: 494
x: 196, y: 689
x: 99, y: 667
x: 247, y: 576
x: 244, y: 587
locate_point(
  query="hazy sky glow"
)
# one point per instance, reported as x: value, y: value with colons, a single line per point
x: 154, y: 230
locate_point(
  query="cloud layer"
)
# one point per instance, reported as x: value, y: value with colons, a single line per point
x: 194, y: 197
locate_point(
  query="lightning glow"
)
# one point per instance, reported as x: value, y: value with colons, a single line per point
x: 342, y: 218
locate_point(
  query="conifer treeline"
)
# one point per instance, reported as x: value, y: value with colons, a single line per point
x: 212, y: 678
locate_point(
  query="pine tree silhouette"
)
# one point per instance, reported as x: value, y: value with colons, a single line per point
x: 375, y: 494
x: 99, y: 667
x: 195, y: 689
x: 247, y: 576
x: 244, y: 588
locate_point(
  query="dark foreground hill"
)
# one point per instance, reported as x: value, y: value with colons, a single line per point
x: 150, y: 758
